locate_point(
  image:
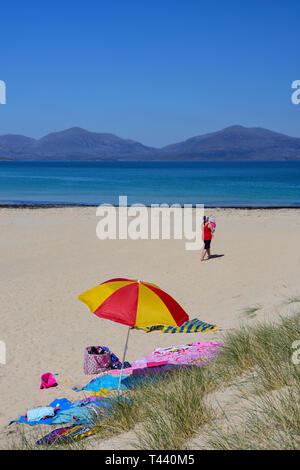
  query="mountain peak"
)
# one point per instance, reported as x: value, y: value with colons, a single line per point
x: 235, y: 127
x: 75, y: 129
x: 71, y: 131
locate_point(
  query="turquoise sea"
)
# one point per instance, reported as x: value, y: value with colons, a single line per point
x: 217, y: 184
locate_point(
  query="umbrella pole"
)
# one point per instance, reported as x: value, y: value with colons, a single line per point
x: 123, y: 360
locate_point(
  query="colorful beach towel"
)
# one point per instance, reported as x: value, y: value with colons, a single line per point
x: 190, y: 326
x: 111, y: 382
x: 198, y: 353
x: 77, y: 431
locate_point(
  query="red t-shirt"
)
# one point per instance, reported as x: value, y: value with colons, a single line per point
x: 206, y: 232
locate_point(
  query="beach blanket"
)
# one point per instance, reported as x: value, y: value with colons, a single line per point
x: 190, y: 326
x: 197, y: 353
x: 80, y: 412
x: 77, y: 431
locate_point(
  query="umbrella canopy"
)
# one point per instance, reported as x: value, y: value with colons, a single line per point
x: 133, y: 303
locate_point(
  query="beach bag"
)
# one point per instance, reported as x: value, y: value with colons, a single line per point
x: 96, y: 360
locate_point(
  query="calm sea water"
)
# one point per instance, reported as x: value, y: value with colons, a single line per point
x: 213, y: 184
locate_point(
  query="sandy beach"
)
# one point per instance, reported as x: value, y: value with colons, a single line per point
x: 49, y: 256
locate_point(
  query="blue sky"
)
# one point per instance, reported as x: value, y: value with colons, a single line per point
x: 156, y: 71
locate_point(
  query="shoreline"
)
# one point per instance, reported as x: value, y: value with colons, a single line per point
x: 65, y: 206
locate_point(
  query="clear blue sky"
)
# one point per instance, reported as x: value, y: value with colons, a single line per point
x: 157, y: 71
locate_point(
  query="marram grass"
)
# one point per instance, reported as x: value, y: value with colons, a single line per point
x: 170, y: 411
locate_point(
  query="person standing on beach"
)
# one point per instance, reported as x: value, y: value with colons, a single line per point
x: 207, y: 233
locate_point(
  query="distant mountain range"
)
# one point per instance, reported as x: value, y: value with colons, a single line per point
x: 235, y: 143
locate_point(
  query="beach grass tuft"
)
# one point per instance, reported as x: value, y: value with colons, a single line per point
x: 250, y: 312
x: 293, y: 299
x: 171, y: 413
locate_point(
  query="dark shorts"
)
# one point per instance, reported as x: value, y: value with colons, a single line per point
x: 207, y: 244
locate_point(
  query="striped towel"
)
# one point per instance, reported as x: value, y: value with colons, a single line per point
x: 190, y: 326
x: 77, y: 431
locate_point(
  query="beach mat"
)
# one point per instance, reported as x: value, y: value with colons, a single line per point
x: 190, y: 326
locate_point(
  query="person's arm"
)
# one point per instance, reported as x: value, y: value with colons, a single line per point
x: 211, y: 228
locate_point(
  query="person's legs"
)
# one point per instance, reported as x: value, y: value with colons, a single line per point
x: 206, y: 249
x: 203, y: 254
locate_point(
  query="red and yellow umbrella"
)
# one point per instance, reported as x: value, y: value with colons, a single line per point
x: 133, y: 303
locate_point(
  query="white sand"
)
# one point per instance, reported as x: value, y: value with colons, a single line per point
x: 49, y: 256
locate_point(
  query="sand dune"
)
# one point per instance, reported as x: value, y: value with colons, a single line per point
x: 49, y: 256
